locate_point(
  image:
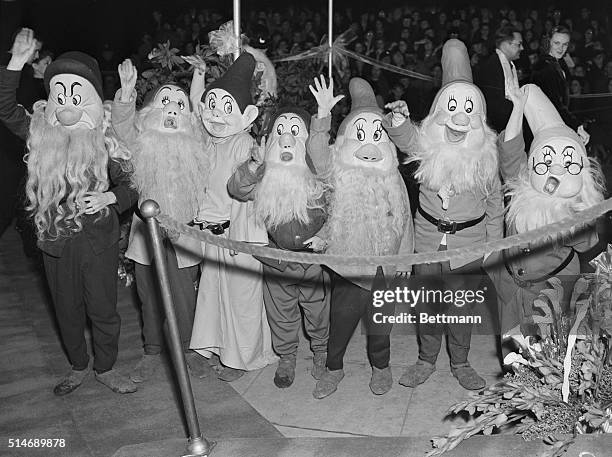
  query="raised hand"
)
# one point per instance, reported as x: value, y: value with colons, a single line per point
x: 198, y: 80
x: 324, y: 95
x: 258, y: 154
x: 399, y: 112
x: 24, y: 48
x: 514, y: 93
x: 128, y: 75
x: 583, y: 134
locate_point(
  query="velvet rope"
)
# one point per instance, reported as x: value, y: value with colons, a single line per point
x: 549, y: 232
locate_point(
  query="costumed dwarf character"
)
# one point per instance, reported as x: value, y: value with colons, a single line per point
x: 369, y: 215
x: 230, y: 319
x: 290, y: 200
x: 75, y: 192
x: 169, y: 166
x: 555, y: 181
x: 460, y: 204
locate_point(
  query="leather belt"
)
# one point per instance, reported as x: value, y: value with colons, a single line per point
x: 528, y: 283
x: 449, y: 227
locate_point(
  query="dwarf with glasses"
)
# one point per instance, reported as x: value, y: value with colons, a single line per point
x: 556, y: 181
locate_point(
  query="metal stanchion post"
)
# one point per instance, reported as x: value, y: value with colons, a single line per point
x: 197, y: 445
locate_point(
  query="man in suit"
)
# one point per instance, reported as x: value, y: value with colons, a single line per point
x: 491, y: 76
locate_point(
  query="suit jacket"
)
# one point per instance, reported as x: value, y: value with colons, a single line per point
x: 490, y: 79
x: 101, y: 232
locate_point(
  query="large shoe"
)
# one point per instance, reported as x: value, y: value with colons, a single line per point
x: 285, y: 373
x: 468, y: 378
x: 328, y: 383
x: 116, y: 382
x: 381, y: 381
x: 417, y: 374
x: 197, y: 364
x: 318, y: 364
x: 146, y: 367
x: 228, y: 374
x: 71, y: 381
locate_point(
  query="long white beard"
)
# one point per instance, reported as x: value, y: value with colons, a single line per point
x: 171, y: 169
x: 464, y: 168
x: 286, y: 194
x: 368, y: 212
x: 530, y: 209
x: 63, y: 165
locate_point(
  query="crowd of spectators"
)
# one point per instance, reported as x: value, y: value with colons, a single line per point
x: 407, y: 37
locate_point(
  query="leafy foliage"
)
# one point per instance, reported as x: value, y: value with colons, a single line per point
x: 529, y: 400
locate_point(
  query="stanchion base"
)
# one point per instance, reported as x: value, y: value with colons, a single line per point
x: 199, y: 447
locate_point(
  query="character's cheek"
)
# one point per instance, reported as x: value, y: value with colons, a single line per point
x: 441, y: 117
x: 476, y: 122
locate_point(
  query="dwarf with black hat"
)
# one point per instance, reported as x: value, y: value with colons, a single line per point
x: 369, y: 215
x: 169, y: 166
x: 75, y: 190
x: 555, y: 180
x: 460, y: 203
x: 289, y: 198
x: 230, y: 320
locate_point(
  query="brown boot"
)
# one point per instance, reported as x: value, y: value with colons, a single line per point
x: 417, y: 374
x: 285, y: 373
x: 328, y: 383
x: 381, y: 381
x: 146, y: 368
x: 318, y: 364
x: 228, y: 374
x: 116, y: 382
x: 71, y: 381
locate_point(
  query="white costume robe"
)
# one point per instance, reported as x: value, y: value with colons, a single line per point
x: 230, y: 316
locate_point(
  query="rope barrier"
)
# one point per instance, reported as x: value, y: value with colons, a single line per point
x: 548, y: 232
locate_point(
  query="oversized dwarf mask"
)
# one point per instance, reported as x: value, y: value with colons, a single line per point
x: 227, y: 106
x: 286, y: 145
x: 74, y: 84
x: 362, y: 142
x: 557, y: 158
x: 73, y: 103
x: 169, y: 111
x: 459, y: 109
x: 459, y: 115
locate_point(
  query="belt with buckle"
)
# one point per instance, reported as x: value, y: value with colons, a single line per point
x: 449, y: 227
x: 215, y: 229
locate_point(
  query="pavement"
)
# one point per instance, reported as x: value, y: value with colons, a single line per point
x: 249, y: 417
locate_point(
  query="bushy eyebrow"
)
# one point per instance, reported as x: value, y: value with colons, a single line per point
x: 550, y: 147
x: 76, y: 83
x: 359, y: 119
x: 61, y: 84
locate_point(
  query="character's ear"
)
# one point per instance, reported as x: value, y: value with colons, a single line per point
x: 250, y: 114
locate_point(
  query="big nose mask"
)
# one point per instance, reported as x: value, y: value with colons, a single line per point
x: 68, y: 116
x: 171, y: 112
x: 286, y: 143
x: 369, y: 153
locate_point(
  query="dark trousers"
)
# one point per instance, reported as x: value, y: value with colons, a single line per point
x: 459, y: 336
x: 349, y: 303
x: 84, y: 284
x: 298, y: 286
x: 183, y: 295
